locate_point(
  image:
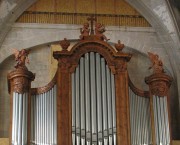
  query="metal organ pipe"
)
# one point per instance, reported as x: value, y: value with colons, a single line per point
x: 93, y: 94
x: 44, y: 119
x: 87, y: 98
x: 161, y: 120
x: 19, y: 122
x: 140, y: 119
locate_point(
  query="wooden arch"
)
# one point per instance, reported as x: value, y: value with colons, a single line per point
x: 67, y: 62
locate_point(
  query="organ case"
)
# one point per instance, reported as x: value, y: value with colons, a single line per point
x: 91, y: 100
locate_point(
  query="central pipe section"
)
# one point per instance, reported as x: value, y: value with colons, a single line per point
x: 93, y: 102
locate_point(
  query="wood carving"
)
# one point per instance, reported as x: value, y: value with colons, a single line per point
x: 19, y: 80
x: 159, y: 84
x: 157, y: 64
x: 64, y: 44
x: 99, y: 30
x: 21, y: 58
x: 119, y: 46
x: 67, y: 61
x: 84, y: 31
x: 91, y: 19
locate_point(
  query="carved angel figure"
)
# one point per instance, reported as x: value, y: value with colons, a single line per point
x: 157, y: 64
x: 21, y: 57
x: 99, y: 30
x: 84, y: 31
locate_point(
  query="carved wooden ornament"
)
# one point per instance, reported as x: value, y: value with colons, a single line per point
x: 19, y: 80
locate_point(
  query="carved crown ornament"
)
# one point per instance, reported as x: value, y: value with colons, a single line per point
x: 158, y: 82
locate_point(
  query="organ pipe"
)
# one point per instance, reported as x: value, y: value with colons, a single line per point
x: 95, y: 101
x: 43, y: 112
x: 139, y: 119
x: 159, y: 84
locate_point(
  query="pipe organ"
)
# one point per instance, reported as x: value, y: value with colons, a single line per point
x: 90, y: 101
x: 93, y: 102
x: 43, y: 117
x: 140, y: 122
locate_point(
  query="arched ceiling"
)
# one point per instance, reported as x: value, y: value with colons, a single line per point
x: 108, y: 12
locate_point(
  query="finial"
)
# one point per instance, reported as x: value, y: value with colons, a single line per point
x: 119, y: 46
x: 91, y: 19
x: 64, y: 44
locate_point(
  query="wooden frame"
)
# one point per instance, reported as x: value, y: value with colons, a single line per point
x: 20, y: 79
x: 67, y: 62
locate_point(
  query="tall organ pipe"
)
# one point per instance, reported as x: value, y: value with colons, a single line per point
x: 161, y: 120
x: 87, y: 98
x: 19, y: 121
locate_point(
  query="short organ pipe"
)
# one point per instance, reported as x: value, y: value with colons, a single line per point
x: 43, y: 112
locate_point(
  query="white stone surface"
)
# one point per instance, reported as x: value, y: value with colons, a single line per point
x: 5, y: 8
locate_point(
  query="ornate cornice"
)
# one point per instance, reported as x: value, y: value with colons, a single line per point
x: 115, y: 60
x: 19, y: 80
x: 159, y: 84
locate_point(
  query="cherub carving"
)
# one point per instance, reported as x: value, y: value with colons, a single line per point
x: 119, y: 46
x: 99, y: 30
x: 157, y: 64
x: 84, y: 31
x: 21, y: 58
